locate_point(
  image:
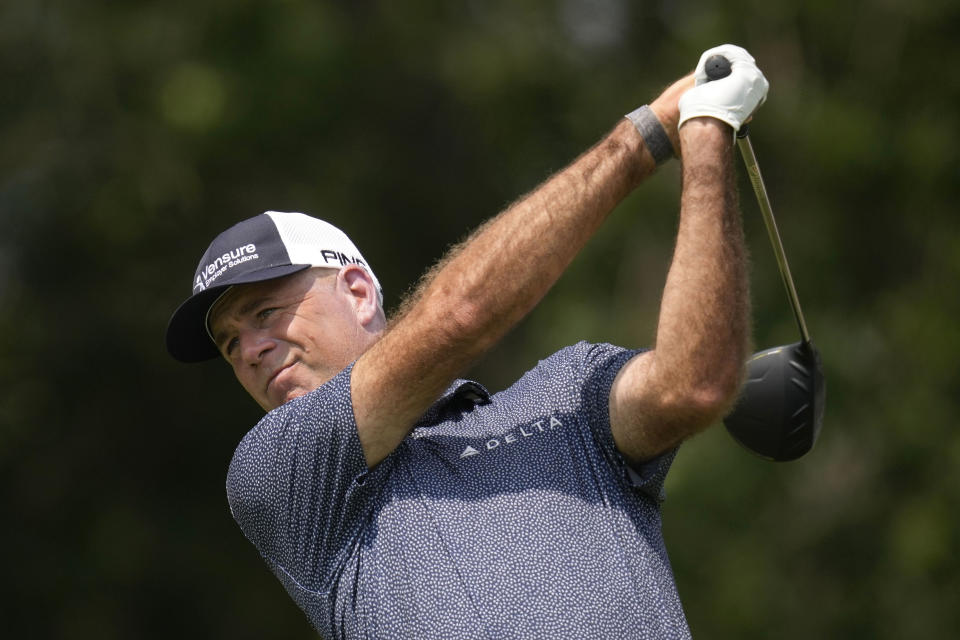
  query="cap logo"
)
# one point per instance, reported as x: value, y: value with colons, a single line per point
x: 209, y: 274
x: 340, y: 258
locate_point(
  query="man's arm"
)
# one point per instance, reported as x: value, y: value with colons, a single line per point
x: 691, y: 376
x: 492, y: 280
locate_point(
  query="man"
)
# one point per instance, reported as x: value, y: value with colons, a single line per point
x: 394, y: 501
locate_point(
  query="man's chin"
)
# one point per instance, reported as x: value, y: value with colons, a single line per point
x: 281, y: 397
x: 286, y: 387
x: 283, y: 387
x: 294, y: 394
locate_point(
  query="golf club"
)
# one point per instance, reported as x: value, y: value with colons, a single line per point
x: 780, y: 410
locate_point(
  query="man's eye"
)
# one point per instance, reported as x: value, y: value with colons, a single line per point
x: 265, y: 313
x: 230, y: 346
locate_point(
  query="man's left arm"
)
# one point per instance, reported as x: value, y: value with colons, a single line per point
x: 693, y: 373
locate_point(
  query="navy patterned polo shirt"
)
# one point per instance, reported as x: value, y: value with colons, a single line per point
x: 504, y: 516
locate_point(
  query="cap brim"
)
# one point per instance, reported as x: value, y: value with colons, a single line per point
x: 187, y: 337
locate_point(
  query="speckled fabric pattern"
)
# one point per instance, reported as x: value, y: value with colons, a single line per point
x: 504, y: 516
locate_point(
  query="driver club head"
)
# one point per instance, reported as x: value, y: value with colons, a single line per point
x: 780, y: 410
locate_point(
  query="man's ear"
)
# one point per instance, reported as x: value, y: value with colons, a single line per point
x: 363, y: 292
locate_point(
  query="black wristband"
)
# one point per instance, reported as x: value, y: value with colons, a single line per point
x: 654, y: 135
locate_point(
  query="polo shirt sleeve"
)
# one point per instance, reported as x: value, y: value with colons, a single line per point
x: 598, y: 366
x: 297, y: 486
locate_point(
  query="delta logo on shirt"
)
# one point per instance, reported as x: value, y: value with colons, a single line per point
x: 512, y: 437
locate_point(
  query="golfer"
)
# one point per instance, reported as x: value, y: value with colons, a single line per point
x: 394, y: 500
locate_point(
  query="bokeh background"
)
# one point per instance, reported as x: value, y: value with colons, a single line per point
x: 132, y: 132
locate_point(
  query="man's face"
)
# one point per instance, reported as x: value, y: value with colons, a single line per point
x: 286, y: 337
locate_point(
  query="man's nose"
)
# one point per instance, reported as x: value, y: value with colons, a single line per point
x: 254, y: 344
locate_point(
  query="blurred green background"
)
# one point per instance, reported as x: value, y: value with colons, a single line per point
x: 132, y: 132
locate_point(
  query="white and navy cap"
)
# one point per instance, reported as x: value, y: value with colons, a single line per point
x: 270, y: 245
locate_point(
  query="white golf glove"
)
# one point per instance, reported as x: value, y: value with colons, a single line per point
x: 732, y: 99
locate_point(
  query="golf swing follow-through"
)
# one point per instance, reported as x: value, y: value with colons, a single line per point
x: 393, y: 499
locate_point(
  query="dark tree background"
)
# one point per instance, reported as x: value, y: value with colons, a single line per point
x: 132, y: 132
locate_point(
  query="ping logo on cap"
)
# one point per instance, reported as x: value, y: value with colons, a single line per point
x: 340, y: 258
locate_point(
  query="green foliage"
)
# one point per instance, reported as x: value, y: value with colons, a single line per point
x: 132, y: 133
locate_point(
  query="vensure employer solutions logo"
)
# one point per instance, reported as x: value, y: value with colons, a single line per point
x: 208, y: 274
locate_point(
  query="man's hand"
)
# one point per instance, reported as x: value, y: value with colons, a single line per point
x: 668, y: 113
x: 732, y: 99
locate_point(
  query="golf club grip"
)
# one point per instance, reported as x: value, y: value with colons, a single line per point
x: 716, y: 67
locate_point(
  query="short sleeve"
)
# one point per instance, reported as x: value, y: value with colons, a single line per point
x: 598, y: 366
x: 296, y: 485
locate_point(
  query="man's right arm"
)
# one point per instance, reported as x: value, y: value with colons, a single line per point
x: 487, y: 284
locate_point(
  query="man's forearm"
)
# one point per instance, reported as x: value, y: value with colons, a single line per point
x: 702, y: 333
x: 582, y: 195
x: 505, y: 268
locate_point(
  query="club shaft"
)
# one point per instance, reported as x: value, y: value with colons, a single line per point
x: 753, y: 170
